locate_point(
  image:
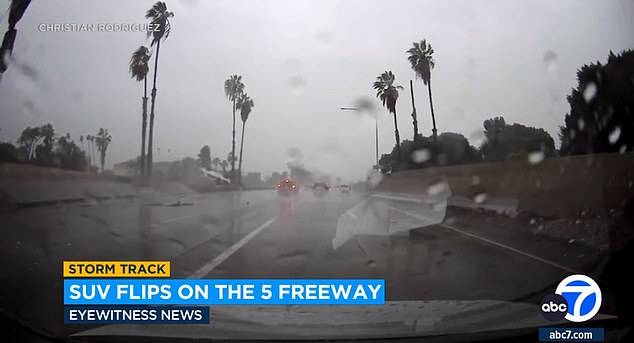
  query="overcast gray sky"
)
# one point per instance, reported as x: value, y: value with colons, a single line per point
x: 301, y: 60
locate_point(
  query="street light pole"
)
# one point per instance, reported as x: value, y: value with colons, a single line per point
x: 376, y: 134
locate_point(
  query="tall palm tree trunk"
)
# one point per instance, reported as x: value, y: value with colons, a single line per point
x: 433, y: 117
x: 143, y: 127
x: 414, y: 117
x: 240, y: 160
x: 151, y: 134
x: 233, y: 144
x: 398, y: 138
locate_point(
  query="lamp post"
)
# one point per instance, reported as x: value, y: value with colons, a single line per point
x: 376, y: 134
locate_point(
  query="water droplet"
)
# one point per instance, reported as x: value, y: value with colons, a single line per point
x: 374, y: 178
x: 475, y: 180
x: 535, y: 157
x: 325, y: 36
x: 572, y: 240
x: 365, y: 104
x: 614, y: 135
x: 589, y: 91
x: 550, y: 61
x: 581, y: 123
x: 421, y: 155
x: 480, y: 198
x: 297, y: 82
x: 532, y: 221
x: 623, y: 149
x: 436, y: 188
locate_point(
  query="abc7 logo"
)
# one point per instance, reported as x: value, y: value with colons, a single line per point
x: 577, y: 299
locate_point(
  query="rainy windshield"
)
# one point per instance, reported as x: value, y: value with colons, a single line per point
x: 471, y: 154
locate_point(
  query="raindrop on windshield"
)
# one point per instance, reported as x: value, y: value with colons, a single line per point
x: 374, y: 178
x: 480, y: 198
x: 420, y: 155
x: 614, y: 135
x: 550, y: 61
x: 297, y: 82
x: 582, y: 124
x: 623, y: 149
x: 436, y: 188
x: 535, y: 157
x: 589, y: 91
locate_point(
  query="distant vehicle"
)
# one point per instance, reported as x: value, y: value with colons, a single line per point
x: 320, y: 189
x: 287, y: 187
x: 345, y: 189
x: 308, y: 187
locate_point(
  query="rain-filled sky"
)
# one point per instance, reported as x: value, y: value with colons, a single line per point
x: 301, y: 60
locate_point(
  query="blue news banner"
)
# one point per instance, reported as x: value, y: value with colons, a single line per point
x: 183, y: 301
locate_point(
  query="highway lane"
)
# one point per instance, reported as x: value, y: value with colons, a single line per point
x: 257, y: 234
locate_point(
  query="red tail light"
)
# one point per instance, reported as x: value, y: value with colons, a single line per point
x: 278, y: 186
x: 293, y: 186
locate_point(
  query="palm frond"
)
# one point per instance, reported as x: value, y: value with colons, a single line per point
x: 234, y: 87
x: 421, y: 59
x: 159, y: 17
x: 139, y: 63
x: 387, y: 92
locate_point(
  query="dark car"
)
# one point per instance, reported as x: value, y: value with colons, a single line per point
x: 287, y: 187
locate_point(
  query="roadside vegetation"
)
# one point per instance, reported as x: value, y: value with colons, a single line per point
x: 601, y: 120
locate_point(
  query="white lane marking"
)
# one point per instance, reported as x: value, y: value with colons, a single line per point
x: 499, y: 245
x: 205, y: 269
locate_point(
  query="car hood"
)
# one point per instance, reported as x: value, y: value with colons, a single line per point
x: 394, y: 319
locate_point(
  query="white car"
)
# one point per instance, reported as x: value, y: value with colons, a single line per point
x: 344, y: 189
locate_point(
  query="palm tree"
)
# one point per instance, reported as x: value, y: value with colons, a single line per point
x: 159, y: 20
x: 245, y: 104
x: 102, y: 140
x: 387, y: 92
x: 422, y: 61
x: 138, y: 69
x: 16, y: 11
x: 233, y: 89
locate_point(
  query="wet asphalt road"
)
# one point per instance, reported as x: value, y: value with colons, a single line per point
x: 258, y: 234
